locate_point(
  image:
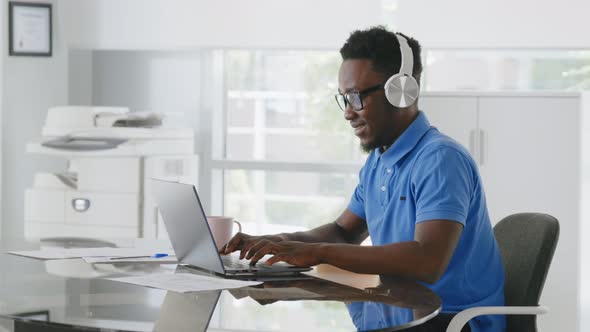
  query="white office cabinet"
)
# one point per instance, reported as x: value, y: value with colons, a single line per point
x: 527, y: 147
x: 454, y: 116
x: 530, y: 151
x: 530, y: 162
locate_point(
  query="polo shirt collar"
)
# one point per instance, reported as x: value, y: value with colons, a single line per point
x: 406, y: 142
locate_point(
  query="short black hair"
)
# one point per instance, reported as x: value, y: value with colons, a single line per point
x: 381, y: 47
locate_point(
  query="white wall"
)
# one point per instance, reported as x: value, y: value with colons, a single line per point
x: 176, y: 24
x: 80, y: 81
x: 3, y: 32
x: 30, y: 86
x: 585, y: 215
x: 148, y: 81
x: 157, y: 81
x: 495, y: 23
x: 181, y: 24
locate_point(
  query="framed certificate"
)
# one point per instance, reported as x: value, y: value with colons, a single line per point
x: 29, y: 29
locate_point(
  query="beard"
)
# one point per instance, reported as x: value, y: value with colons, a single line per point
x: 367, y: 148
x: 377, y: 143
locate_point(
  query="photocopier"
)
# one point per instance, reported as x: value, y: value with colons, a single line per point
x: 104, y: 191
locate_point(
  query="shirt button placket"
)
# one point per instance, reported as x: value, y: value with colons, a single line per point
x: 384, y: 197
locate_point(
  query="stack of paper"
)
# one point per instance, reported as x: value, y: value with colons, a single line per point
x: 62, y: 253
x: 185, y: 282
x: 110, y: 260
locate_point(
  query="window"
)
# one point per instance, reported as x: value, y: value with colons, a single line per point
x: 280, y: 107
x: 449, y: 70
x: 286, y: 159
x: 294, y: 200
x: 286, y: 156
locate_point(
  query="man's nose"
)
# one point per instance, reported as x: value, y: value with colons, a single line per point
x: 349, y: 114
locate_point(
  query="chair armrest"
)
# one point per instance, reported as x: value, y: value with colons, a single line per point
x: 466, y: 315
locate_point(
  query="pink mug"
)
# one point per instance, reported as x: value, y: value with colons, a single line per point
x: 222, y: 229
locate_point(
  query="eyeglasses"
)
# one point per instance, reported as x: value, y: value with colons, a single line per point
x: 355, y: 99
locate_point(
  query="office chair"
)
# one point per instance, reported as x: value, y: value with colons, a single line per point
x: 527, y: 242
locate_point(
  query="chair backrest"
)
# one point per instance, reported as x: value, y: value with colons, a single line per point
x: 527, y: 242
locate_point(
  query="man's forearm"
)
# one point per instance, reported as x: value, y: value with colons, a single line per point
x: 404, y: 259
x: 328, y: 233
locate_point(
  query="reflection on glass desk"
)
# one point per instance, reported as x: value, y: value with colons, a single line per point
x: 32, y: 296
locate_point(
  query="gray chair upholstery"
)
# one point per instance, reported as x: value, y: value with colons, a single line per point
x: 527, y: 242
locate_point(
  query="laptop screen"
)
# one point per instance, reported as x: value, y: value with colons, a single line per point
x: 186, y: 224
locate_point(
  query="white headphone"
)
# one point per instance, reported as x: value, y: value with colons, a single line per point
x: 401, y: 89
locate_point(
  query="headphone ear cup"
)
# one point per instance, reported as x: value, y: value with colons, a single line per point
x: 401, y: 90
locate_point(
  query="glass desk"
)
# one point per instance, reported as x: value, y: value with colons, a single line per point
x: 68, y: 295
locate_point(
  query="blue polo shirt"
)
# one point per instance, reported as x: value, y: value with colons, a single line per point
x: 426, y: 175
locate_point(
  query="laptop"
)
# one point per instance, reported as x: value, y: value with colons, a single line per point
x: 191, y: 237
x: 186, y: 312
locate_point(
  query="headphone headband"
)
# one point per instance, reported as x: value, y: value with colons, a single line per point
x: 407, y: 64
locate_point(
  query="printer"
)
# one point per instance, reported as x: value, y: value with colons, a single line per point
x: 104, y: 192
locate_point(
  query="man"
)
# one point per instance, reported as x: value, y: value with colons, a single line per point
x: 420, y: 197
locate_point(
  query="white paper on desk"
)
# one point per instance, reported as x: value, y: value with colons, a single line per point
x: 110, y: 260
x: 185, y: 282
x: 40, y: 254
x: 62, y: 253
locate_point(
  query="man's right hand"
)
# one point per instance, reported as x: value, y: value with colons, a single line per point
x: 245, y: 242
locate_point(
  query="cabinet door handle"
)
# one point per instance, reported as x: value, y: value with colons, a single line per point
x: 473, y: 144
x: 482, y: 147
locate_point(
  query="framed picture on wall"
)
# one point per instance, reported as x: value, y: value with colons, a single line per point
x: 29, y: 29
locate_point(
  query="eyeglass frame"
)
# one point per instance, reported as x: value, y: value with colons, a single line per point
x: 361, y: 94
